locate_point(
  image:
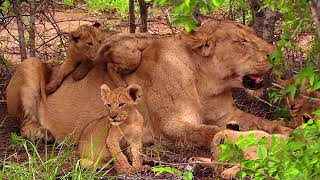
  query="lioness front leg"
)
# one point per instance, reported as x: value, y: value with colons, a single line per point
x: 121, y: 162
x: 247, y: 122
x: 65, y: 69
x: 116, y: 76
x: 178, y: 129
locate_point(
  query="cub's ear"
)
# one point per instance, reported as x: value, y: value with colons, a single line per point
x: 200, y: 43
x: 105, y: 91
x: 74, y: 36
x: 134, y: 92
x: 96, y: 24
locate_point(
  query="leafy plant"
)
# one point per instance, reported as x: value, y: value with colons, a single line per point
x: 297, y: 157
x: 68, y: 2
x: 172, y: 170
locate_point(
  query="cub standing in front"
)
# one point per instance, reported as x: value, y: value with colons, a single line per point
x: 122, y: 129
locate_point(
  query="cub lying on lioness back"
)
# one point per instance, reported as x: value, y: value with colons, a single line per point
x: 83, y: 43
x: 122, y: 53
x: 108, y: 136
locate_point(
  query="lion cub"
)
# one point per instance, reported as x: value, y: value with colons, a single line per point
x: 249, y: 153
x: 83, y: 44
x: 122, y: 53
x: 121, y: 129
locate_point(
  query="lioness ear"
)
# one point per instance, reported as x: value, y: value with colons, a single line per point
x: 200, y: 43
x: 134, y: 92
x: 105, y: 91
x: 74, y: 36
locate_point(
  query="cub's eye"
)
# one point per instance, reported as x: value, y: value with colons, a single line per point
x: 121, y: 104
x: 90, y: 44
x: 109, y: 105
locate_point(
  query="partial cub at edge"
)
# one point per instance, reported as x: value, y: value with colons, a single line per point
x: 121, y: 129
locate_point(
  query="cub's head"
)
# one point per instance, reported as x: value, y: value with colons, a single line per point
x: 85, y: 40
x: 120, y: 102
x: 229, y: 55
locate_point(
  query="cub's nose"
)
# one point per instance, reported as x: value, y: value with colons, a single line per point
x: 113, y: 116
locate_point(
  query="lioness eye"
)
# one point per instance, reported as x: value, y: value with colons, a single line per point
x: 121, y: 104
x: 109, y: 105
x: 90, y: 43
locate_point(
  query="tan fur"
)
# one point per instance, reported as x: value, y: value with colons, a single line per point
x: 25, y: 92
x: 122, y: 53
x: 186, y: 79
x: 83, y: 44
x: 249, y: 153
x: 122, y: 128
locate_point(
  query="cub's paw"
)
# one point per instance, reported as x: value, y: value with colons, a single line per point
x: 125, y: 169
x: 142, y: 168
x: 79, y: 74
x: 86, y: 163
x: 51, y: 88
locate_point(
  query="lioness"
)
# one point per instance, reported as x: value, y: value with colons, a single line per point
x: 186, y: 79
x: 124, y: 125
x: 249, y: 153
x: 83, y: 44
x: 122, y: 53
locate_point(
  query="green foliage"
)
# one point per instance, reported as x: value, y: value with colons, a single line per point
x: 68, y: 2
x: 5, y: 6
x: 121, y: 6
x: 58, y: 161
x: 297, y: 157
x: 167, y: 169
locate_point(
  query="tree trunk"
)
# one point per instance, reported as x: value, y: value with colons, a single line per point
x: 132, y: 18
x: 258, y: 17
x: 32, y: 29
x: 269, y: 25
x: 143, y: 16
x: 197, y: 14
x: 22, y: 44
x: 315, y: 9
x: 243, y: 16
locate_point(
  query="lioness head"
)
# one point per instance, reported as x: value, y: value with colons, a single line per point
x: 120, y: 102
x: 229, y: 54
x: 85, y: 40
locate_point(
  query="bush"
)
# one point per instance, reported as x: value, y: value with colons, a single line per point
x: 297, y: 157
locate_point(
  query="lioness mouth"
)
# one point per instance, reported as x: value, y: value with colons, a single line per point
x: 252, y: 81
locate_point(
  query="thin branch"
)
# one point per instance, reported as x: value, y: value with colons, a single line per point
x: 304, y: 96
x: 32, y: 34
x: 166, y: 14
x: 22, y: 44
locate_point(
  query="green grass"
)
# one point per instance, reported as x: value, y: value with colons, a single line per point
x: 121, y: 6
x: 57, y: 161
